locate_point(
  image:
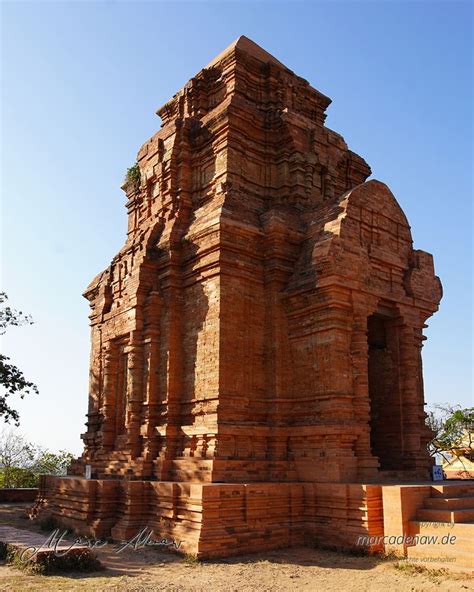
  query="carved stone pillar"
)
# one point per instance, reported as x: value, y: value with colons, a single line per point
x: 367, y: 463
x: 279, y: 253
x: 93, y: 423
x: 170, y: 431
x: 109, y: 395
x: 150, y: 376
x: 134, y: 392
x: 426, y: 433
x: 333, y: 355
x: 414, y: 455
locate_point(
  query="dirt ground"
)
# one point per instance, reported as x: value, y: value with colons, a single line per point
x: 299, y: 568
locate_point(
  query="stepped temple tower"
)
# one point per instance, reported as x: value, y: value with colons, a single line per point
x: 256, y: 371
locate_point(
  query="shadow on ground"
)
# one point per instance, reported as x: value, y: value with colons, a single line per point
x: 137, y: 562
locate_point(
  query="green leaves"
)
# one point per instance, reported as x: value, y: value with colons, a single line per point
x: 21, y: 462
x: 12, y: 379
x: 10, y: 316
x: 133, y: 176
x: 453, y: 429
x: 53, y: 464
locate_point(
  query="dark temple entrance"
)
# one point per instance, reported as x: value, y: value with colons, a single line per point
x: 385, y: 397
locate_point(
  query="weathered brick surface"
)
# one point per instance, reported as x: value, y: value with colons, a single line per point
x: 263, y: 320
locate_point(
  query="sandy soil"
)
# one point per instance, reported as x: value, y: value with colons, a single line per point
x: 298, y: 569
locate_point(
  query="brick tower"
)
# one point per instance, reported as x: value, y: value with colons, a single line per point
x: 256, y: 343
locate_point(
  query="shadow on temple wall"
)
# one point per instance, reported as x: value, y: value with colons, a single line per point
x: 196, y: 342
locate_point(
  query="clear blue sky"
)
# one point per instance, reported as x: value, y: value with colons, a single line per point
x: 81, y: 83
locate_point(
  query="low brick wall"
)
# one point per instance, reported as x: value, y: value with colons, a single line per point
x: 27, y: 494
x: 217, y: 519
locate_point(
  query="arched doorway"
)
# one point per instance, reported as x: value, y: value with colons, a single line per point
x: 386, y: 437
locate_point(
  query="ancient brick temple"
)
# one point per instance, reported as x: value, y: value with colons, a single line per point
x: 256, y: 343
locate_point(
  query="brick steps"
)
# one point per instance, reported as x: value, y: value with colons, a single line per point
x: 446, y: 515
x: 444, y: 527
x: 448, y: 503
x: 122, y: 468
x: 462, y: 530
x: 453, y: 490
x: 453, y: 549
x: 453, y: 503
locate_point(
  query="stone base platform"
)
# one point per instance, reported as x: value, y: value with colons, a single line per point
x: 215, y: 519
x: 222, y: 519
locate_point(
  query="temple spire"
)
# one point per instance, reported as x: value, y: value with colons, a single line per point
x: 246, y: 45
